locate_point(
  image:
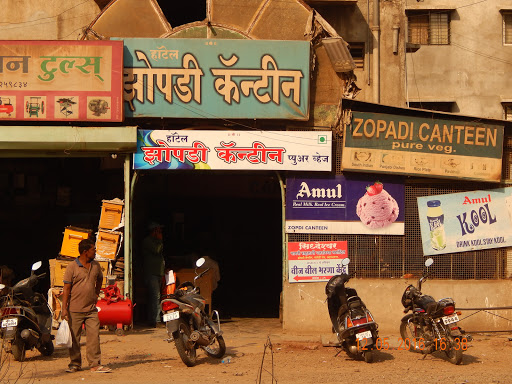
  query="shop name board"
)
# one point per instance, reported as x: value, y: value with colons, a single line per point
x: 466, y: 221
x: 313, y: 261
x: 61, y: 80
x: 233, y: 150
x: 203, y: 78
x: 345, y: 205
x: 420, y: 146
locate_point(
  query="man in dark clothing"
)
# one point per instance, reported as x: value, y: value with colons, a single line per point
x: 82, y: 283
x: 154, y: 265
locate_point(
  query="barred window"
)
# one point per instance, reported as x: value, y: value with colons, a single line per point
x: 507, y: 111
x: 429, y: 27
x: 507, y: 27
x: 357, y: 53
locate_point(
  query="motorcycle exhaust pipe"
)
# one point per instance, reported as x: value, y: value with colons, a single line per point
x: 29, y: 336
x: 197, y: 337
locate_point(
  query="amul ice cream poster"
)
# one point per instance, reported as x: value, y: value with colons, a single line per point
x: 466, y: 221
x: 362, y: 204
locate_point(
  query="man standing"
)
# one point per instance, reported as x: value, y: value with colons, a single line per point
x: 154, y: 265
x: 82, y: 283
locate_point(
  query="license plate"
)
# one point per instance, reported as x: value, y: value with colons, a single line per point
x: 171, y: 316
x: 12, y: 322
x: 364, y: 335
x: 450, y: 319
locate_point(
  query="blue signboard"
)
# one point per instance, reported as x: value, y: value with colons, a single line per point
x: 466, y: 221
x: 359, y: 204
x: 209, y: 79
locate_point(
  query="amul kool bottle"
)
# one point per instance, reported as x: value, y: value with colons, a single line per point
x: 435, y: 217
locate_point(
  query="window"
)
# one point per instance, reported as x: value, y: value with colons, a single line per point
x: 507, y: 111
x: 507, y: 27
x: 429, y: 27
x: 357, y: 53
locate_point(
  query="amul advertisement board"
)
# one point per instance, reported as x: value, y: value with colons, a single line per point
x: 61, y: 80
x: 234, y: 150
x: 209, y: 79
x: 312, y: 261
x: 361, y: 204
x: 466, y: 221
x: 384, y: 143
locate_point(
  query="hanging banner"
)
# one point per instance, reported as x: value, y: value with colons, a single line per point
x: 362, y: 204
x: 234, y: 150
x: 61, y: 80
x: 212, y: 79
x: 312, y: 261
x: 377, y: 142
x: 466, y: 221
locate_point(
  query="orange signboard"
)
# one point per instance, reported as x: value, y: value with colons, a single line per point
x: 61, y: 80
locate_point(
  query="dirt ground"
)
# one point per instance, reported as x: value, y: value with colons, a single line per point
x: 260, y: 352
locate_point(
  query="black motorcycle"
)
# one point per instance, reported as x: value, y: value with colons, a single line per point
x: 432, y: 325
x: 26, y: 318
x: 188, y: 324
x: 352, y: 322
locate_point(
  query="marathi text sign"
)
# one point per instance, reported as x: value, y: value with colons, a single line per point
x: 344, y: 205
x: 315, y: 261
x: 61, y: 80
x: 466, y: 221
x: 199, y: 78
x: 423, y: 146
x: 234, y: 150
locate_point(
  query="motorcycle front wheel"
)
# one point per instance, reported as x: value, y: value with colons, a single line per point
x: 454, y: 352
x: 217, y: 349
x: 18, y: 348
x: 413, y: 338
x: 186, y: 349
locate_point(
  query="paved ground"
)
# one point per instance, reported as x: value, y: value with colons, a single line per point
x: 260, y: 352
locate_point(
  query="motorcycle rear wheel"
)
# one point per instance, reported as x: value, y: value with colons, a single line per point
x: 412, y: 336
x: 47, y: 348
x: 217, y: 349
x: 368, y: 356
x: 18, y: 349
x: 454, y: 355
x: 186, y: 349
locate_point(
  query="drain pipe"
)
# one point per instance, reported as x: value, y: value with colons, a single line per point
x: 376, y: 51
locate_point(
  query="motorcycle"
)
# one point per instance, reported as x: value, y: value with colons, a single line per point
x: 26, y: 318
x: 352, y: 322
x: 432, y: 325
x: 187, y: 323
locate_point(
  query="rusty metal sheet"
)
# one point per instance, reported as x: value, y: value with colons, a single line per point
x: 129, y: 18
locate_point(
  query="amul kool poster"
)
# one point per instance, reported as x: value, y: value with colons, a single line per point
x: 466, y: 221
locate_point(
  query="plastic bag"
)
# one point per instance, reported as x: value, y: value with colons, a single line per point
x: 63, y: 336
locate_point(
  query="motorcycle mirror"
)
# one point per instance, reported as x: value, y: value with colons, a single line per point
x: 429, y: 262
x: 36, y: 265
x: 345, y: 261
x: 200, y: 262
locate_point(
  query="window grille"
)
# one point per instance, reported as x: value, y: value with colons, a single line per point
x: 357, y: 53
x: 429, y: 28
x: 507, y: 27
x: 507, y: 111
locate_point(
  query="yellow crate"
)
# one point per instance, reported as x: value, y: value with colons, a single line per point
x: 111, y: 213
x: 107, y: 243
x: 58, y: 267
x: 73, y: 236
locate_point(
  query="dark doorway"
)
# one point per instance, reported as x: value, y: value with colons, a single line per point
x: 234, y: 218
x: 183, y: 12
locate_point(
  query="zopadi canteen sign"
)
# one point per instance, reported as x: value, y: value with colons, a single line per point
x: 376, y: 142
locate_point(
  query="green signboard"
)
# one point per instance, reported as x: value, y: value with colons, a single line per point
x: 385, y: 143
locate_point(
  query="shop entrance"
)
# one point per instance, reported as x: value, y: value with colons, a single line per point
x: 233, y: 218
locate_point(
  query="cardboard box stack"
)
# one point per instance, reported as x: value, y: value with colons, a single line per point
x: 108, y: 244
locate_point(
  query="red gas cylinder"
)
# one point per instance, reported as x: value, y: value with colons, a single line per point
x: 114, y: 309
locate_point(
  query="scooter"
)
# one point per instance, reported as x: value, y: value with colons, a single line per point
x: 26, y: 318
x: 432, y: 325
x: 352, y: 322
x: 188, y: 325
